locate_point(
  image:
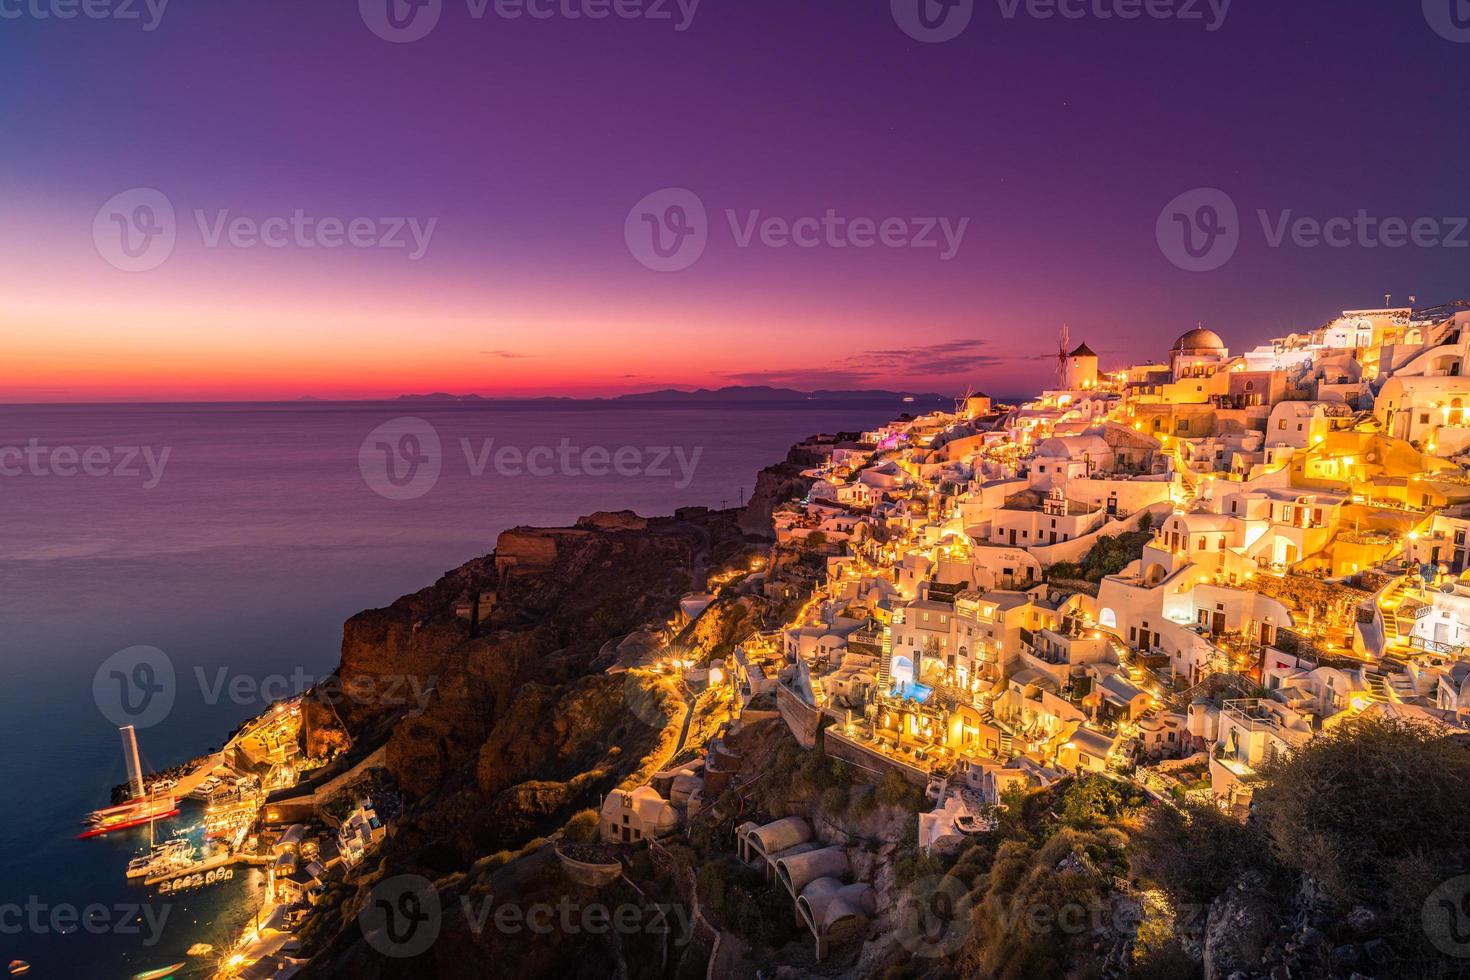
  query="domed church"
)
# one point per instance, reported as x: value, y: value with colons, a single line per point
x: 1197, y: 354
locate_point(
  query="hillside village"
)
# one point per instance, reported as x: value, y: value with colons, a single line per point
x: 1002, y: 660
x: 1167, y: 573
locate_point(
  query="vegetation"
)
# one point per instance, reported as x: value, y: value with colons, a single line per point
x: 741, y: 900
x: 582, y: 827
x: 1371, y: 814
x: 1109, y: 555
x: 1045, y: 904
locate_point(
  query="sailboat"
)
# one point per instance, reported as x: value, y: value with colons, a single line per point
x: 177, y: 852
x: 141, y: 808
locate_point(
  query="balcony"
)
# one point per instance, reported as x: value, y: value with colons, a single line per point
x: 1252, y: 715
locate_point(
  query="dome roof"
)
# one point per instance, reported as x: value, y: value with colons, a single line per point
x: 1200, y: 339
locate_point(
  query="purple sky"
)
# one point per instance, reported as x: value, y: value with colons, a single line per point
x: 529, y: 141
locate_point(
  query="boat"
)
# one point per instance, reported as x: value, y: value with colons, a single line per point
x: 19, y: 968
x: 160, y: 973
x: 171, y: 854
x: 133, y: 813
x: 143, y: 807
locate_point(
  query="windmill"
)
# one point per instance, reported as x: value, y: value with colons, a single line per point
x: 1062, y: 358
x: 962, y: 405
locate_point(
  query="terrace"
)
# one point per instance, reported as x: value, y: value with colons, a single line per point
x: 1252, y: 714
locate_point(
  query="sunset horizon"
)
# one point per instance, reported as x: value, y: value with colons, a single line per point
x: 735, y: 489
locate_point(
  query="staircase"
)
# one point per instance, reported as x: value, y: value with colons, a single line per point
x: 1378, y: 688
x: 1398, y: 607
x: 1389, y: 681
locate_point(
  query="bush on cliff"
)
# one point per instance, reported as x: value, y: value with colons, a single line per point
x: 740, y: 899
x: 582, y: 828
x: 1045, y: 906
x: 1196, y: 852
x: 1370, y: 815
x: 1361, y: 804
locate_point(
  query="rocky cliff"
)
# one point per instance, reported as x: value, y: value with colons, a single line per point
x: 520, y: 726
x: 777, y: 484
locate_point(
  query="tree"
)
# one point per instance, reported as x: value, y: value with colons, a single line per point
x: 1195, y: 852
x: 1359, y: 805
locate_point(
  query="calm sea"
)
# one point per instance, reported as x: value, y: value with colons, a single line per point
x: 236, y: 539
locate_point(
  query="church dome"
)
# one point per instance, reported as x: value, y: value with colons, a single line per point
x: 1200, y: 339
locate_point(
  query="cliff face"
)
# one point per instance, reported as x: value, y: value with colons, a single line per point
x: 774, y: 485
x: 520, y: 726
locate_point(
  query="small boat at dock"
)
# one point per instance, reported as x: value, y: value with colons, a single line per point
x: 176, y: 853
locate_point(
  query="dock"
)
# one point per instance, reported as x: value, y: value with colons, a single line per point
x: 210, y: 864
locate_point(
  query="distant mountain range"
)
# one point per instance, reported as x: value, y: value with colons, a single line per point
x: 745, y: 393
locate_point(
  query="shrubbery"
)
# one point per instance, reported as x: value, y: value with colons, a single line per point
x: 1109, y: 555
x: 1372, y: 813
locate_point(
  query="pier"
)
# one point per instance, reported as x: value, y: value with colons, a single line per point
x: 210, y: 864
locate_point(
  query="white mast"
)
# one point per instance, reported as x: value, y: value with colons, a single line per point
x: 130, y: 756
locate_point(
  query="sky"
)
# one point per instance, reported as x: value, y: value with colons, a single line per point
x: 274, y: 200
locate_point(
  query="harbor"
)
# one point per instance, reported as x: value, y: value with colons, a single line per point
x: 204, y: 867
x: 250, y: 806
